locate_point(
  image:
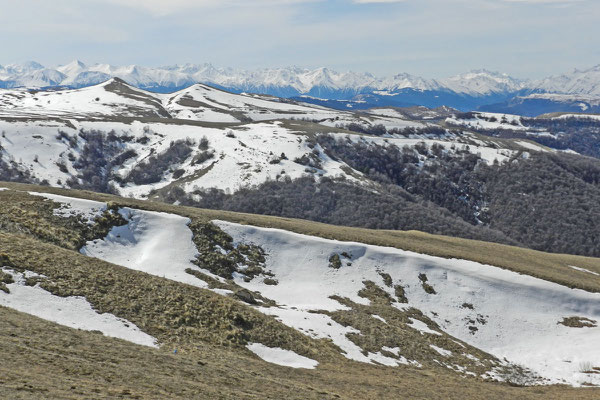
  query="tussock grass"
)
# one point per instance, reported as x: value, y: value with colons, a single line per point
x: 44, y: 360
x: 5, y: 279
x: 578, y: 322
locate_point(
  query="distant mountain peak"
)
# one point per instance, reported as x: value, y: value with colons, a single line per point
x: 76, y: 63
x: 72, y: 68
x: 294, y: 81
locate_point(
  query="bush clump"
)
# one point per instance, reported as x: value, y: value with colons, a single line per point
x: 154, y: 168
x: 387, y: 279
x: 335, y: 262
x: 400, y: 294
x: 578, y: 322
x: 426, y: 286
x: 218, y: 255
x: 5, y: 279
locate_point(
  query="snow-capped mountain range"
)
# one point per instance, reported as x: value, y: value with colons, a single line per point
x: 468, y: 91
x: 295, y: 80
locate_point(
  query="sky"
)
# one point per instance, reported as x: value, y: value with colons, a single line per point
x: 430, y: 38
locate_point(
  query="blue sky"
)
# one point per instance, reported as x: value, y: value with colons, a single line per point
x: 431, y: 38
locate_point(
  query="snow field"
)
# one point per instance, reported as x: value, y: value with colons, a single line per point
x: 74, y: 312
x: 239, y: 161
x: 155, y: 243
x: 509, y: 315
x: 513, y: 316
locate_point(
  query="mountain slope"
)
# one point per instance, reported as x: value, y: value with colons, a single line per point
x: 579, y: 82
x: 380, y: 169
x: 373, y: 303
x: 536, y: 104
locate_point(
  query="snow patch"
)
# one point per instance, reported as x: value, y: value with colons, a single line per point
x: 422, y: 327
x: 584, y: 270
x: 441, y: 351
x: 530, y: 146
x: 74, y: 312
x: 276, y: 355
x: 153, y: 242
x: 88, y: 210
x: 379, y: 318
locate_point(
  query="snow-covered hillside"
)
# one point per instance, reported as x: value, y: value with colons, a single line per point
x: 472, y: 318
x: 108, y: 99
x: 115, y: 98
x: 197, y: 138
x: 233, y: 157
x: 501, y: 312
x: 236, y: 157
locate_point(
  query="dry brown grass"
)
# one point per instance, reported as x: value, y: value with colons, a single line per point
x: 178, y: 315
x: 44, y: 360
x: 578, y: 322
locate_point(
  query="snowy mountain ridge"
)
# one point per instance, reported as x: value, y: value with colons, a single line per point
x: 474, y: 90
x: 294, y: 80
x: 237, y: 127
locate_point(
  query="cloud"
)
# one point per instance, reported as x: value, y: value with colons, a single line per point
x: 544, y: 1
x: 164, y: 7
x: 378, y: 1
x: 424, y: 37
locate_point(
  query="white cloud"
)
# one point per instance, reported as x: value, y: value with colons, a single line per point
x: 164, y: 7
x: 378, y: 1
x: 427, y: 37
x: 544, y: 1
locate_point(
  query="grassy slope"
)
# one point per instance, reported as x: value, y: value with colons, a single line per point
x: 42, y: 359
x: 551, y: 267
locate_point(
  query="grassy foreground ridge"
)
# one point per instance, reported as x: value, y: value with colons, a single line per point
x: 209, y: 331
